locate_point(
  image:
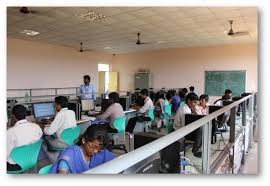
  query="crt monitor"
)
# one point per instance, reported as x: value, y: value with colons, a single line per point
x: 124, y: 103
x: 213, y: 108
x: 76, y: 107
x: 150, y: 165
x: 189, y: 118
x: 87, y: 104
x: 104, y: 104
x: 43, y: 110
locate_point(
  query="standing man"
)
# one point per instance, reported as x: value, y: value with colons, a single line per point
x: 87, y: 91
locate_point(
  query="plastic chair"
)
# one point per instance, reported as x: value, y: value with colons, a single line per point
x: 182, y: 103
x: 26, y: 156
x: 167, y: 111
x: 70, y: 135
x: 148, y: 123
x: 45, y: 170
x: 118, y: 139
x: 169, y: 127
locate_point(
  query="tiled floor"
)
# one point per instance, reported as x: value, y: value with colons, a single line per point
x: 251, y: 165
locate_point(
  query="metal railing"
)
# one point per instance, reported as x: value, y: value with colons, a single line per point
x: 125, y: 161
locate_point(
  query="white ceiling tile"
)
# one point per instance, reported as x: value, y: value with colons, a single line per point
x: 178, y: 26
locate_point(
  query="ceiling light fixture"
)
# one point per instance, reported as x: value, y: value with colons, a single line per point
x: 161, y: 42
x: 30, y: 32
x: 107, y: 48
x: 90, y: 15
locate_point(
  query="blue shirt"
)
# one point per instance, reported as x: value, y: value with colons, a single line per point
x: 89, y: 91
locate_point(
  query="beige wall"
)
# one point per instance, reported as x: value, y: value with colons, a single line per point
x: 176, y: 68
x: 40, y: 65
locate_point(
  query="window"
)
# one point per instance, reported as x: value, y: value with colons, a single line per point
x: 105, y: 68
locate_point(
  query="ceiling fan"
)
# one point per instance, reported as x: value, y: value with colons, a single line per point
x: 81, y: 48
x: 139, y: 41
x: 26, y: 10
x: 232, y: 33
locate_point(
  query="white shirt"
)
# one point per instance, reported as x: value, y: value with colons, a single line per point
x: 148, y: 104
x: 64, y: 119
x: 179, y: 119
x: 114, y: 111
x: 22, y: 133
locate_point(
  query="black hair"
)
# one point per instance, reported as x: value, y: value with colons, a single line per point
x: 95, y: 132
x: 144, y: 92
x: 182, y: 93
x: 228, y: 91
x: 192, y: 96
x: 114, y: 96
x: 205, y: 97
x: 185, y: 90
x: 19, y: 112
x: 86, y: 77
x: 191, y: 88
x: 169, y: 95
x: 61, y: 100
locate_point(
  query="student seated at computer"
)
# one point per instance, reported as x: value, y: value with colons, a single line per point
x: 226, y: 97
x: 89, y: 152
x: 142, y: 111
x: 115, y: 110
x: 64, y: 119
x: 202, y: 108
x: 173, y: 99
x: 179, y: 121
x: 160, y: 103
x: 21, y: 133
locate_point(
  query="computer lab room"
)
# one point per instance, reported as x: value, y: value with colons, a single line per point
x: 132, y: 90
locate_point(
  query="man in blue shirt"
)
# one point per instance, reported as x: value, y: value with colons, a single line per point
x: 87, y: 90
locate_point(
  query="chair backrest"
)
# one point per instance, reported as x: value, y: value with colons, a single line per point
x: 151, y: 114
x: 169, y: 127
x: 45, y: 170
x: 182, y: 103
x: 120, y: 124
x: 26, y: 156
x: 70, y: 135
x: 168, y: 109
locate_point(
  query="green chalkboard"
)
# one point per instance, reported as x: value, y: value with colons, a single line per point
x: 216, y: 82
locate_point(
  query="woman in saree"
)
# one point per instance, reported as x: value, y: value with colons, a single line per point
x: 88, y: 153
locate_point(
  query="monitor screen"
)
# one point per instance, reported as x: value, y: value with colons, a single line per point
x: 123, y: 102
x: 42, y: 110
x: 104, y: 104
x: 87, y: 104
x: 213, y: 108
x: 189, y: 118
x: 149, y: 165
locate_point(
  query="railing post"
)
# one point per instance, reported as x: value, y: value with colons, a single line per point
x: 232, y: 125
x: 244, y: 119
x: 30, y: 94
x: 206, y: 148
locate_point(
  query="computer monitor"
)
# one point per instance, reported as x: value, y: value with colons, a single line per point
x: 150, y: 165
x: 104, y: 104
x: 87, y: 104
x: 189, y: 118
x: 76, y: 107
x: 124, y: 102
x: 170, y: 155
x: 213, y: 108
x: 44, y: 110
